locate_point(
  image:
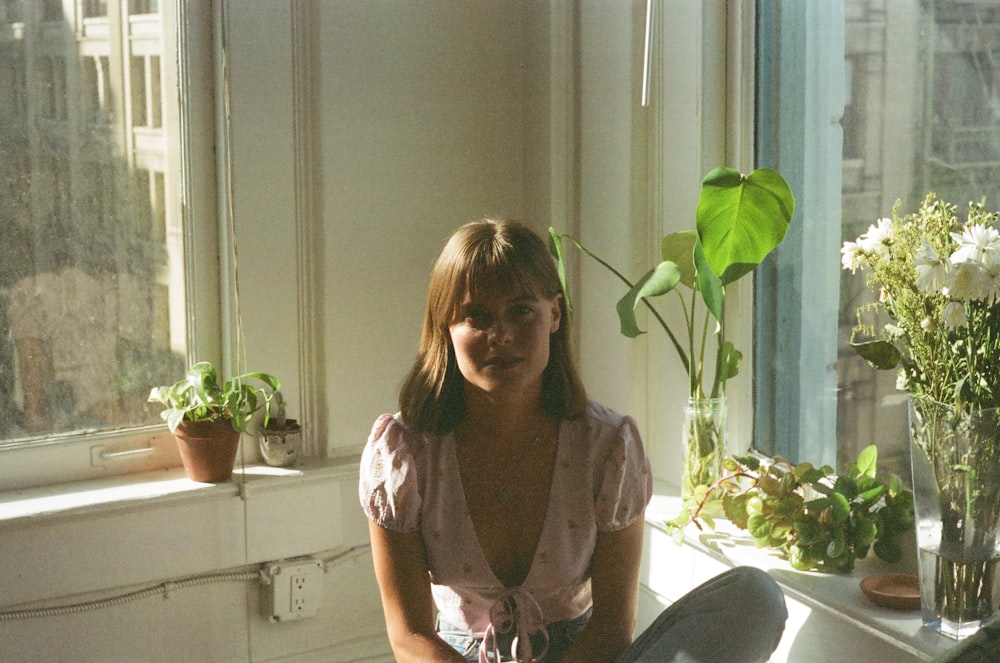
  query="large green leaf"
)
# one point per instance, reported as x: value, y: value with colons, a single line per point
x: 658, y: 281
x: 741, y: 219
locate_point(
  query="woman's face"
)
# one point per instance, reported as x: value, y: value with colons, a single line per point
x: 501, y: 341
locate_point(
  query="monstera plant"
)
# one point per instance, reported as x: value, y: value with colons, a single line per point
x: 739, y: 221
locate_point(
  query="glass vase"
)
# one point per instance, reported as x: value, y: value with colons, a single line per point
x: 955, y: 457
x: 704, y: 443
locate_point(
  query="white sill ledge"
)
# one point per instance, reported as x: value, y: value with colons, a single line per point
x: 159, y: 525
x: 154, y: 488
x: 837, y: 595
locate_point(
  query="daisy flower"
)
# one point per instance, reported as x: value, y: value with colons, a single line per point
x: 953, y: 315
x: 976, y: 243
x: 852, y: 257
x: 932, y: 270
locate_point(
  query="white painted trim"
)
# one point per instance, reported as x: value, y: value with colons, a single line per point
x: 309, y: 233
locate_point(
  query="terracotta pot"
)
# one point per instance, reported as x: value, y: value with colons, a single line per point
x: 208, y: 449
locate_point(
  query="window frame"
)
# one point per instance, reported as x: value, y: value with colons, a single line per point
x: 86, y: 455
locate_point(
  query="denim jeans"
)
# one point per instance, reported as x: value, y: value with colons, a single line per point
x: 560, y: 635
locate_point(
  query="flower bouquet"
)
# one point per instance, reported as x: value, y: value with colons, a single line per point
x: 938, y: 284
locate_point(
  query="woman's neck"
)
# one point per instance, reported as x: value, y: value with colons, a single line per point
x: 507, y: 418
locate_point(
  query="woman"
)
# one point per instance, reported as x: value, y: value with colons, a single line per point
x: 505, y: 501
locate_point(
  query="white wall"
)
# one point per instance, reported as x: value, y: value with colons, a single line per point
x: 362, y: 134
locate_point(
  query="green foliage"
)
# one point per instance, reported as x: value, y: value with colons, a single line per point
x: 200, y: 396
x: 740, y: 219
x: 815, y: 518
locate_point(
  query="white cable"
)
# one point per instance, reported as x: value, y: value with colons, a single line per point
x: 164, y: 589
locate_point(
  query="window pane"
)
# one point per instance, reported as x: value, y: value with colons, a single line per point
x: 919, y: 109
x: 88, y: 290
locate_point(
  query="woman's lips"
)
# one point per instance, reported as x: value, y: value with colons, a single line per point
x: 502, y: 362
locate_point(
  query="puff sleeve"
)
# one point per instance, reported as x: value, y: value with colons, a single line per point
x: 626, y: 480
x: 388, y: 487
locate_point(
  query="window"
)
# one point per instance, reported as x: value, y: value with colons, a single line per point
x: 92, y: 283
x: 897, y: 100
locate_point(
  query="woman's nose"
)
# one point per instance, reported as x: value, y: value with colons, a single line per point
x: 501, y: 331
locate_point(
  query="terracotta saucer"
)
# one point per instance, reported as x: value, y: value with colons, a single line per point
x: 899, y: 591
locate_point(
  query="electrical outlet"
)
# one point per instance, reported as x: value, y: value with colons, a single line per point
x: 294, y: 591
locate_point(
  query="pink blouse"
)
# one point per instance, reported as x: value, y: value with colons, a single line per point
x: 601, y: 483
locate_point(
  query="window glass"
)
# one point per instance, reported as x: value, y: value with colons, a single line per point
x: 912, y: 89
x: 88, y: 288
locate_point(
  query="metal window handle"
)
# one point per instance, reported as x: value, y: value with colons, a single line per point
x: 99, y: 457
x: 117, y: 455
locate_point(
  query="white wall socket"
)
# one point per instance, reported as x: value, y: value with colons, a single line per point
x: 294, y: 591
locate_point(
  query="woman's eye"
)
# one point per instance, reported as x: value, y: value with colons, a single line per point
x: 523, y: 311
x: 477, y: 318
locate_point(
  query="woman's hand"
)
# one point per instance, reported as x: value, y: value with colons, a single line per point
x: 404, y: 583
x: 615, y: 588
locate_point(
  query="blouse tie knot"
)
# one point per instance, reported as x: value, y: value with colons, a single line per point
x: 518, y: 613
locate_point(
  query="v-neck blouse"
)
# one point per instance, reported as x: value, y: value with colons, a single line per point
x: 601, y: 482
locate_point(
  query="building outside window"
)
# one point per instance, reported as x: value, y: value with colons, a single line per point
x: 92, y: 295
x: 862, y: 103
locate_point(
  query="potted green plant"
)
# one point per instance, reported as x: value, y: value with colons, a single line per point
x: 740, y: 219
x: 207, y: 415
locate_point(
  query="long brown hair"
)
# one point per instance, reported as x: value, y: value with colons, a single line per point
x: 480, y: 256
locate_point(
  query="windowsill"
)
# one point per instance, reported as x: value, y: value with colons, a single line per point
x: 160, y: 487
x: 159, y: 525
x: 837, y: 595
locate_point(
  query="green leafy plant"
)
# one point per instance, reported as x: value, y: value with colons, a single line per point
x: 815, y: 518
x: 201, y: 396
x: 740, y: 219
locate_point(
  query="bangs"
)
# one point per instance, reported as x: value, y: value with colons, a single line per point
x: 501, y: 274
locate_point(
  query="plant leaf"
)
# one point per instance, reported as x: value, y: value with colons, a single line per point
x: 727, y: 364
x: 678, y: 248
x: 868, y: 461
x: 658, y: 281
x: 708, y: 283
x: 880, y: 354
x: 741, y: 219
x: 555, y: 246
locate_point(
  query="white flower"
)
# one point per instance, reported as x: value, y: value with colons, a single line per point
x: 968, y: 281
x: 878, y: 237
x: 892, y: 330
x: 953, y: 315
x: 976, y: 243
x: 852, y: 257
x: 932, y: 271
x: 993, y: 282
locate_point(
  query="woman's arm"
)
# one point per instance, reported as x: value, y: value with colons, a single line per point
x: 406, y: 598
x: 615, y: 587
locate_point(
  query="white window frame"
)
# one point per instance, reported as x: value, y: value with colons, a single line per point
x: 78, y: 456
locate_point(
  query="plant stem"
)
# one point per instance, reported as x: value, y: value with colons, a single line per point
x: 656, y: 314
